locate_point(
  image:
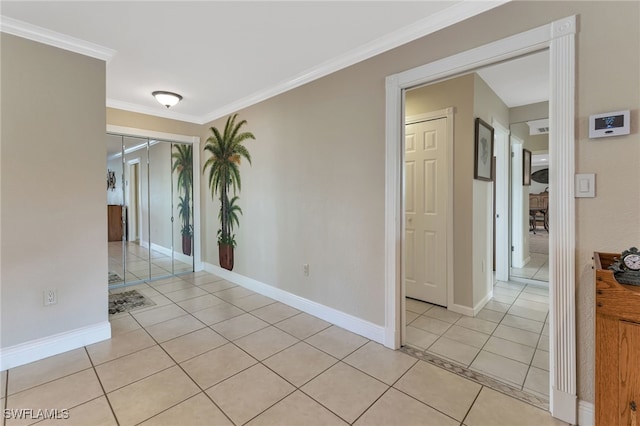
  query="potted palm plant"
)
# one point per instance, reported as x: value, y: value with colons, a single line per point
x: 182, y: 155
x: 226, y: 150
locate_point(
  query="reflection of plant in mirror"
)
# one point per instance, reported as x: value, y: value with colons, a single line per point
x: 182, y: 155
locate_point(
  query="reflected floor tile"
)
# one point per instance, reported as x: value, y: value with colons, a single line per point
x: 345, y: 391
x: 250, y: 392
x: 396, y: 408
x: 297, y: 409
x: 494, y: 408
x: 300, y: 363
x: 440, y: 389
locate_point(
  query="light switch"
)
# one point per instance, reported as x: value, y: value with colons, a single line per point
x: 585, y: 185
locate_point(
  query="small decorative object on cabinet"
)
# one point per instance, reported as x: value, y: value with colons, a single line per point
x: 617, y: 346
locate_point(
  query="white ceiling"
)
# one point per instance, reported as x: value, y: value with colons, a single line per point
x: 222, y: 56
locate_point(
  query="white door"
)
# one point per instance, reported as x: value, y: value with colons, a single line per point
x: 426, y: 211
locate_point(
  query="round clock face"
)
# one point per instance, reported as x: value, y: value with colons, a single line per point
x: 632, y: 261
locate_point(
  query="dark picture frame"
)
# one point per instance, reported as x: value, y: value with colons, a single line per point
x: 483, y: 164
x: 526, y: 167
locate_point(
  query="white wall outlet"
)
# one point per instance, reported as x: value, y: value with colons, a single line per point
x: 305, y: 269
x: 50, y: 297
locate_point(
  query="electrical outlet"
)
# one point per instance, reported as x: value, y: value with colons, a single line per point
x: 50, y: 297
x: 305, y: 269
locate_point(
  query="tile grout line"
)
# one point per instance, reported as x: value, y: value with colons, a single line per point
x: 104, y: 393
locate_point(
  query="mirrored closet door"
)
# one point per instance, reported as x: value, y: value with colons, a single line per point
x: 152, y: 196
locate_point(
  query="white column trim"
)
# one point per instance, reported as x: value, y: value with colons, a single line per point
x: 559, y: 38
x: 562, y: 270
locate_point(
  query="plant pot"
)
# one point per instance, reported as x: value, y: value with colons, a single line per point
x: 186, y: 244
x: 225, y: 256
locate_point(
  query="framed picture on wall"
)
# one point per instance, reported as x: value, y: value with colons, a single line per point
x: 483, y: 167
x: 526, y: 167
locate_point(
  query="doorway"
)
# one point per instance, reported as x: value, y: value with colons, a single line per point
x: 559, y: 37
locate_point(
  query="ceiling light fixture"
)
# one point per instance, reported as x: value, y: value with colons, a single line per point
x: 167, y: 99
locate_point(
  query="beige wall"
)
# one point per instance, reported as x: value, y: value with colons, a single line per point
x: 53, y: 214
x: 315, y: 193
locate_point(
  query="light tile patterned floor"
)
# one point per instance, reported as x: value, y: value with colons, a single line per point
x: 229, y: 357
x: 508, y: 340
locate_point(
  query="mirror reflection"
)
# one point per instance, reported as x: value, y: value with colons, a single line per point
x: 530, y: 233
x: 150, y: 209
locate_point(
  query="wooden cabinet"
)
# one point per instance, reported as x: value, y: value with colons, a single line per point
x: 617, y: 347
x: 114, y: 222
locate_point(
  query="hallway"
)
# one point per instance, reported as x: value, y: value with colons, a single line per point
x: 507, y: 341
x: 214, y: 353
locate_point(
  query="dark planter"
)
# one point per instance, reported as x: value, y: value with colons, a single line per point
x: 186, y: 244
x: 225, y: 256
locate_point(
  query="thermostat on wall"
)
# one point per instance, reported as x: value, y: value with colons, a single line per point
x: 609, y: 124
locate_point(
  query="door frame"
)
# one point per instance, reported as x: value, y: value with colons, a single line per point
x: 448, y: 114
x: 170, y: 137
x: 559, y: 38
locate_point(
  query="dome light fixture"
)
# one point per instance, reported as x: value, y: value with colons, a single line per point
x: 167, y: 99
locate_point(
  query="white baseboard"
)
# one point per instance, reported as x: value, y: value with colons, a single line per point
x: 349, y: 322
x: 586, y: 414
x: 44, y: 347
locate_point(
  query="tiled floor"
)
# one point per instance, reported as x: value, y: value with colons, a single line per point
x: 508, y: 340
x: 212, y: 353
x: 137, y: 263
x: 538, y: 266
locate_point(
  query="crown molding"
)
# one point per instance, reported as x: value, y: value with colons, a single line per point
x: 449, y: 16
x: 158, y: 112
x: 52, y: 38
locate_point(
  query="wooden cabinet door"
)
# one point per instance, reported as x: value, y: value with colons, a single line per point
x: 629, y: 373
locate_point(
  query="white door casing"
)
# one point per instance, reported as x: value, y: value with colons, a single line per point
x: 426, y: 210
x: 559, y: 38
